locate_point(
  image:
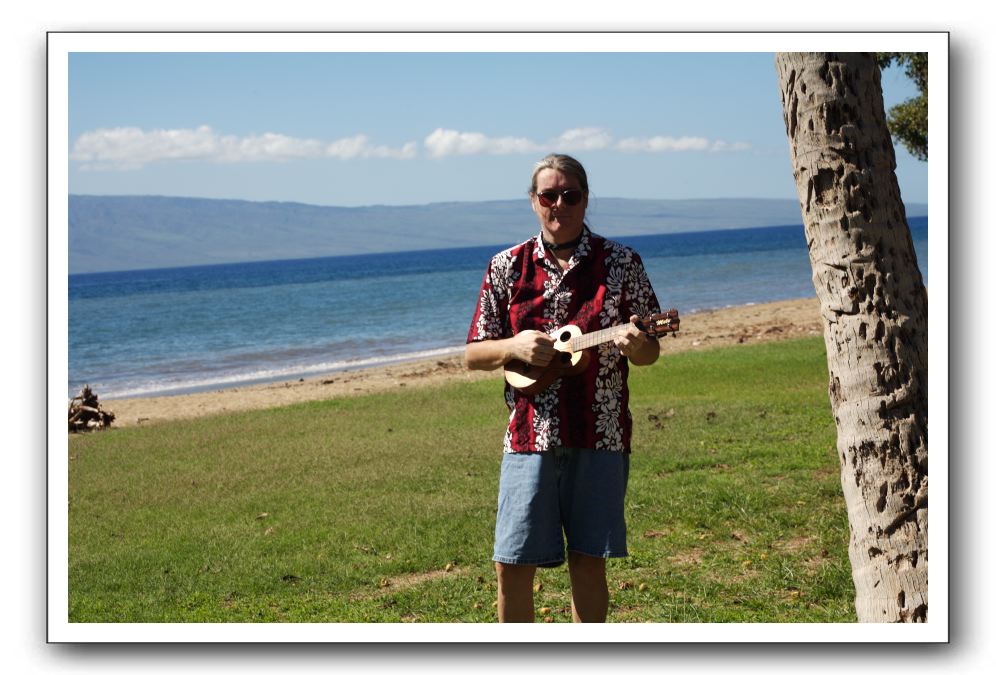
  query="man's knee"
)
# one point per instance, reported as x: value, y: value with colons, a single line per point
x: 585, y: 566
x: 515, y: 575
x: 585, y: 562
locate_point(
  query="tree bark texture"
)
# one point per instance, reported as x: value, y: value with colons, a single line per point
x: 874, y: 308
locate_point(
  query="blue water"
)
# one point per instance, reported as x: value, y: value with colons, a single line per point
x: 186, y: 329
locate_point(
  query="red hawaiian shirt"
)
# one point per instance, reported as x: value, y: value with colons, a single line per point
x: 603, y: 285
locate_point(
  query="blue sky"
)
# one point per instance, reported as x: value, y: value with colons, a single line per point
x: 352, y: 129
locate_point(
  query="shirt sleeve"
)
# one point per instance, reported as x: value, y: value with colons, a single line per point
x: 638, y: 293
x: 491, y: 320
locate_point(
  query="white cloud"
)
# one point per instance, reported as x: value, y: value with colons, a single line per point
x: 130, y: 147
x: 682, y: 144
x: 584, y: 138
x: 445, y: 142
x: 264, y: 147
x: 359, y: 146
x: 723, y: 146
x: 663, y: 144
x: 126, y: 148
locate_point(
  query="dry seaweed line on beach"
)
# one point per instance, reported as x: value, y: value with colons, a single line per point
x: 85, y: 413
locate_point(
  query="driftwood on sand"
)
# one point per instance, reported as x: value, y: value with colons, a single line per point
x: 85, y: 413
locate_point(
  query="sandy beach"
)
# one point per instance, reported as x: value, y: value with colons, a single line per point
x: 702, y: 330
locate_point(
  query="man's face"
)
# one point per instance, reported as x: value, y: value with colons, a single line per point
x: 560, y: 221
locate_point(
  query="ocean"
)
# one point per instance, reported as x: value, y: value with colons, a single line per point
x: 180, y: 330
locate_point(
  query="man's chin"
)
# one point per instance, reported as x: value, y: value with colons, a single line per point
x: 558, y: 227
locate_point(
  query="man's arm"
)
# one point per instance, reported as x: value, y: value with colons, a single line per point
x: 637, y: 346
x: 531, y: 346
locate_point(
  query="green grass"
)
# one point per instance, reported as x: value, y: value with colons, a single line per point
x: 734, y: 506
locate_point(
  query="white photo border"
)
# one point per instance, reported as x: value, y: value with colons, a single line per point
x: 62, y: 44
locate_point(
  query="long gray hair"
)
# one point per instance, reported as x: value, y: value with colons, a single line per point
x: 564, y: 164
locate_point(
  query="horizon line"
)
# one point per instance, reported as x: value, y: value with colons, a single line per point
x: 440, y: 203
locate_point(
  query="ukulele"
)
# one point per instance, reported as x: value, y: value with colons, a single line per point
x: 573, y: 359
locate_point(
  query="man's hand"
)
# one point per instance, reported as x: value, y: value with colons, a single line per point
x: 636, y: 345
x: 533, y: 347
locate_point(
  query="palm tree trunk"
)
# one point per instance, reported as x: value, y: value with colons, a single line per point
x: 874, y: 308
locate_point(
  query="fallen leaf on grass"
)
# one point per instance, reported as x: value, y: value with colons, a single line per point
x: 544, y: 611
x: 657, y: 420
x: 538, y: 587
x: 651, y: 534
x: 268, y: 531
x: 262, y: 515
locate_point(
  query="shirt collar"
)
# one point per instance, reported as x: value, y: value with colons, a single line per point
x: 580, y: 251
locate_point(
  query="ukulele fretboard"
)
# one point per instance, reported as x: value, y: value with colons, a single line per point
x: 598, y: 337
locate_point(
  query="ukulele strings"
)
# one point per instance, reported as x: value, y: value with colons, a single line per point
x: 591, y: 339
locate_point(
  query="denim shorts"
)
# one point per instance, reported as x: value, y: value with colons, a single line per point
x: 545, y: 496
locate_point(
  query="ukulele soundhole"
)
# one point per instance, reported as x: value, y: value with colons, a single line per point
x: 565, y: 336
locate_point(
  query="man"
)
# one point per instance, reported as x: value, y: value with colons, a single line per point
x: 566, y: 460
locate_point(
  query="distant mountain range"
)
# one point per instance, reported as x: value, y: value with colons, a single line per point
x: 108, y: 233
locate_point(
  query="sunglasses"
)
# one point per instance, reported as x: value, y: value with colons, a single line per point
x: 549, y: 197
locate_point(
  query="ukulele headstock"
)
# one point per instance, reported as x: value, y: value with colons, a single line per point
x: 656, y: 325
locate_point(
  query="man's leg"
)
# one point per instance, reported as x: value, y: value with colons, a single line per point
x: 515, y: 593
x: 589, y: 588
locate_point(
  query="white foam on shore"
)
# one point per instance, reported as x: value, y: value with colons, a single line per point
x: 228, y: 381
